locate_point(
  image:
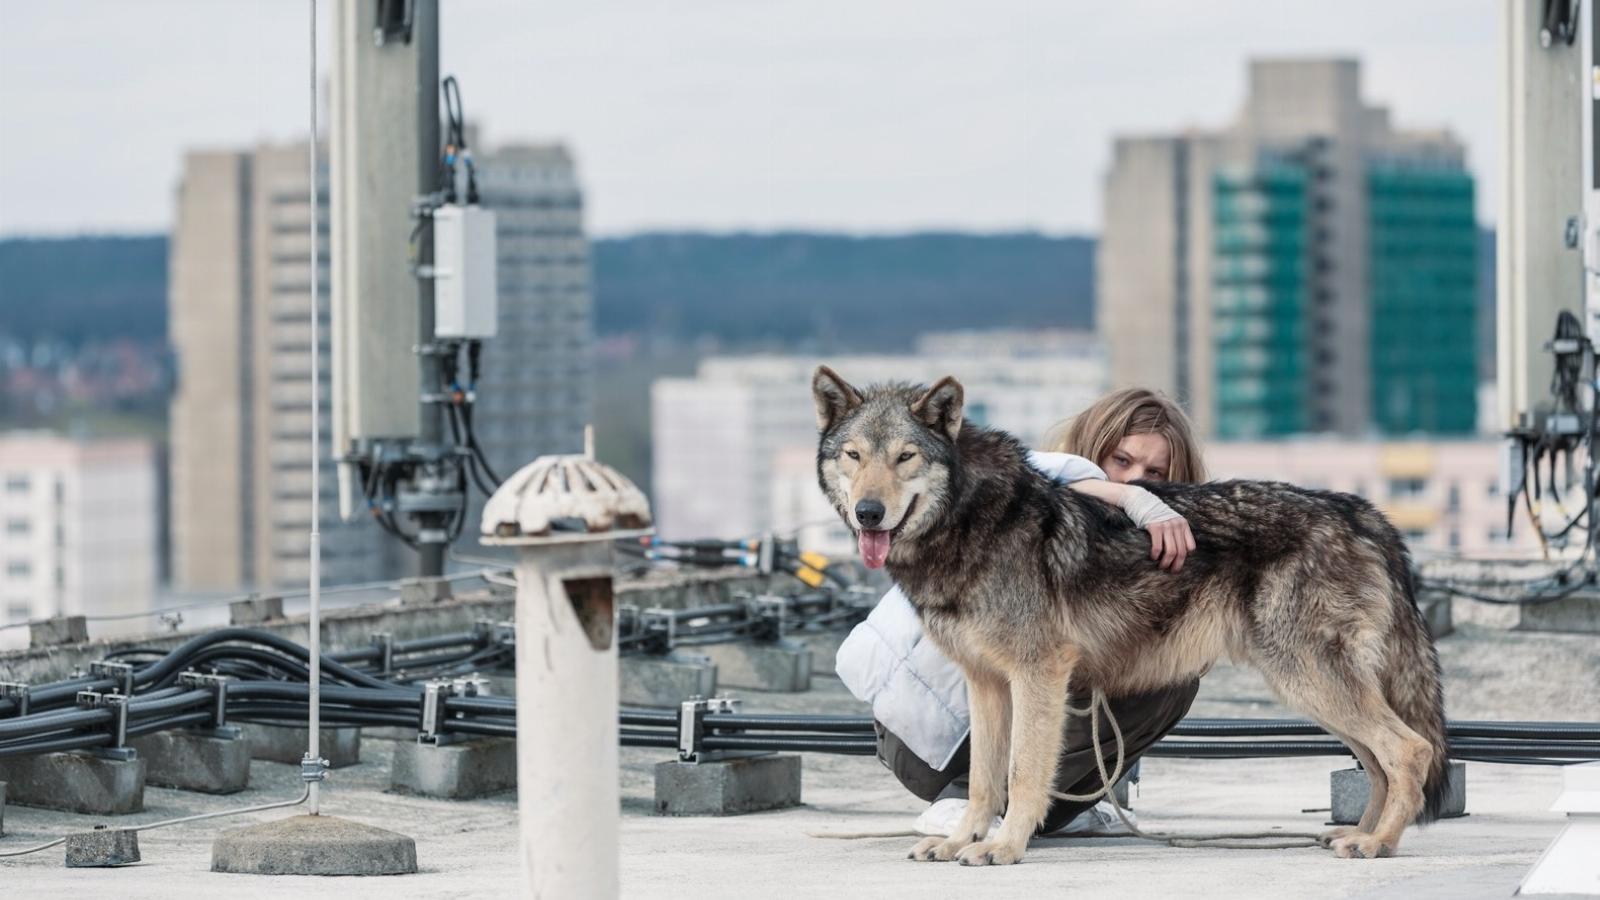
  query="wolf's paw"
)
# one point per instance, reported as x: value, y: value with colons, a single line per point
x: 989, y: 853
x: 937, y: 849
x: 1332, y: 834
x: 1360, y: 845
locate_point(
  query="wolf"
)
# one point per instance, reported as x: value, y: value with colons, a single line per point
x: 1026, y: 584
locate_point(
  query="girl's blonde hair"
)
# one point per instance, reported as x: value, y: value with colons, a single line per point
x: 1095, y: 432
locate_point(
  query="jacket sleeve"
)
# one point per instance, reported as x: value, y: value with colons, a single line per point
x: 1065, y: 467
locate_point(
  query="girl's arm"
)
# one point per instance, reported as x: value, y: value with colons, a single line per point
x: 1170, y: 538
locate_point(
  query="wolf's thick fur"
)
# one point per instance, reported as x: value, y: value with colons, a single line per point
x: 1025, y: 583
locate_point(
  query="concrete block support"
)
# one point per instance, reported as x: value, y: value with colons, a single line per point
x: 190, y: 761
x: 824, y: 647
x: 728, y: 787
x: 454, y: 771
x: 313, y: 845
x: 665, y: 680
x: 1577, y: 614
x: 286, y: 744
x: 1436, y: 610
x: 75, y: 782
x: 102, y: 847
x: 255, y: 611
x: 2, y: 809
x: 780, y: 666
x: 60, y: 630
x: 1350, y: 788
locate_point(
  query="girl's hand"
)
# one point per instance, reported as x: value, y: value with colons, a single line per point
x: 1171, y: 542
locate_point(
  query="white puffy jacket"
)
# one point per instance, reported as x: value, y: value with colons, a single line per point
x: 915, y: 690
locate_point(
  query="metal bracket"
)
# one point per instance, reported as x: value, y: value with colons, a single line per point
x: 692, y: 727
x: 121, y: 673
x: 17, y: 692
x: 384, y: 641
x: 768, y: 616
x: 118, y: 704
x: 435, y: 707
x: 218, y: 686
x: 660, y: 628
x: 313, y: 769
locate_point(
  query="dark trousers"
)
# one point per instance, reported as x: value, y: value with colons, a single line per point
x: 1144, y: 719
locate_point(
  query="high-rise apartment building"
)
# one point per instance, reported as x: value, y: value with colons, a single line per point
x: 77, y: 530
x: 240, y: 323
x: 1308, y: 268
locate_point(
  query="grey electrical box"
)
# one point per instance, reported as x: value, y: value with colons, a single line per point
x: 464, y: 284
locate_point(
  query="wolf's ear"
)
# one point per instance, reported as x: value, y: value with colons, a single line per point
x: 940, y: 408
x: 834, y: 397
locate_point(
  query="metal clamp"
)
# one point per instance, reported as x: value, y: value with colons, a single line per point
x: 313, y: 769
x: 384, y: 641
x: 692, y: 728
x: 660, y: 629
x: 16, y: 692
x: 120, y: 672
x: 768, y: 616
x: 118, y: 704
x: 435, y: 707
x: 218, y: 686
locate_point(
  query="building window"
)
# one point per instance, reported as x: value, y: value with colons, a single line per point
x: 18, y: 611
x: 19, y: 568
x: 1453, y: 500
x: 1407, y: 488
x: 1415, y: 536
x: 1455, y: 539
x: 17, y: 527
x: 16, y: 484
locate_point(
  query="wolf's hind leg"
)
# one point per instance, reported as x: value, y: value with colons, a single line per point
x: 989, y: 699
x: 1038, y: 712
x: 1376, y: 797
x: 1399, y: 763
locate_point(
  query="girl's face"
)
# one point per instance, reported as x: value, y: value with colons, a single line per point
x: 1146, y: 456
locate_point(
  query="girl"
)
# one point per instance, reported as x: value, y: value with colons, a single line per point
x: 918, y: 696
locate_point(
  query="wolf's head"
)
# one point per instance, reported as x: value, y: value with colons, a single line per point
x: 886, y: 457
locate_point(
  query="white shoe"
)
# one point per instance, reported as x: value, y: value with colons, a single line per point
x: 1100, y: 818
x: 943, y: 816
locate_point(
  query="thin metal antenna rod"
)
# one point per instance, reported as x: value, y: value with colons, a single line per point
x: 314, y: 726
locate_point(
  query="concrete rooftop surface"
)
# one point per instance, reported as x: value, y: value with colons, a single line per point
x: 467, y: 849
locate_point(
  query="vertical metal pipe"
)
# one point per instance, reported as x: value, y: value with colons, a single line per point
x: 425, y: 34
x: 314, y: 725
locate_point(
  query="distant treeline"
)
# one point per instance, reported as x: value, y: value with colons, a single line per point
x: 84, y: 288
x: 850, y: 292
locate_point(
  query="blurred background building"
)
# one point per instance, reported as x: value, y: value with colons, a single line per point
x: 1309, y: 268
x: 77, y: 530
x: 735, y: 446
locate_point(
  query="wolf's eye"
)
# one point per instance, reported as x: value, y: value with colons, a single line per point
x: 853, y: 455
x: 909, y: 454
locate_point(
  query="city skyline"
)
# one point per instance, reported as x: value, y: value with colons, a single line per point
x: 886, y: 118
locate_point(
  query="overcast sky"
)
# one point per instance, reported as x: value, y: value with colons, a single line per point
x: 860, y: 115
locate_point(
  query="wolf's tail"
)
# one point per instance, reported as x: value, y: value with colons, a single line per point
x: 1415, y: 686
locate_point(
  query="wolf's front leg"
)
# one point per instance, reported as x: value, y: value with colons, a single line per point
x: 1038, y: 713
x: 990, y: 703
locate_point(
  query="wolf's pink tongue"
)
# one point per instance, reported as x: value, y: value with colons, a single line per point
x: 874, y: 548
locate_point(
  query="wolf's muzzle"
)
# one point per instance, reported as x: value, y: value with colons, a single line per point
x: 870, y: 513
